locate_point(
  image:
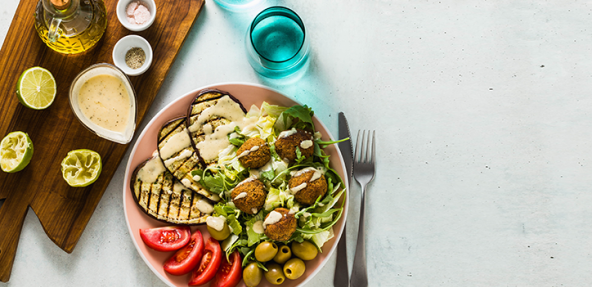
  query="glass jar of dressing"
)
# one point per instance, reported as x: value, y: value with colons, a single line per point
x: 104, y: 101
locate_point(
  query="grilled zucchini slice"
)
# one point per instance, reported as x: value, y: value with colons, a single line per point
x: 179, y: 156
x: 162, y: 197
x: 201, y: 119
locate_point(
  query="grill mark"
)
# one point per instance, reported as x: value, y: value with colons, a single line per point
x: 182, y: 164
x: 165, y: 181
x: 161, y: 136
x: 168, y: 208
x: 160, y: 192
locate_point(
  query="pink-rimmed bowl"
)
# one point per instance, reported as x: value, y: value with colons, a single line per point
x: 248, y: 94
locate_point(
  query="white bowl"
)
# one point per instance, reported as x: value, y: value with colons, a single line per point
x: 123, y: 137
x: 122, y: 15
x: 125, y: 44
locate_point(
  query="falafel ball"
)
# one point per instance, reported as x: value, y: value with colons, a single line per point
x: 254, y: 153
x: 307, y: 185
x: 249, y: 195
x: 290, y: 140
x: 282, y: 224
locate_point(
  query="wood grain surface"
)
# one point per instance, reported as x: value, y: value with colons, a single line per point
x: 64, y: 211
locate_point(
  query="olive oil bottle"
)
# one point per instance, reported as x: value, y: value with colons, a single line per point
x: 70, y: 26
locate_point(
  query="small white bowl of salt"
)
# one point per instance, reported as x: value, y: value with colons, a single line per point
x: 136, y: 15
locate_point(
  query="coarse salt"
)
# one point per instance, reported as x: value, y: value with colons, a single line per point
x: 137, y: 12
x: 131, y: 7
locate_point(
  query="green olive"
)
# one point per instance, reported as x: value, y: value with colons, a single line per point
x: 274, y: 274
x: 294, y: 268
x: 252, y: 275
x: 304, y: 250
x: 220, y: 235
x: 265, y: 251
x: 283, y: 254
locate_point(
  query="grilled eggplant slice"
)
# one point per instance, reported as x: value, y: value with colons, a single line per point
x: 158, y: 194
x: 179, y: 156
x: 206, y: 113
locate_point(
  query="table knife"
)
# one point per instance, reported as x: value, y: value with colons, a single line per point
x: 341, y: 277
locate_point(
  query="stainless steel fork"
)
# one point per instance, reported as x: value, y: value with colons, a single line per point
x: 364, y: 162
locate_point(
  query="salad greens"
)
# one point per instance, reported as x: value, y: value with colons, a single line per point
x: 315, y: 222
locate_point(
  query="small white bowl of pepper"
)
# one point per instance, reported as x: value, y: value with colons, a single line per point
x: 133, y: 55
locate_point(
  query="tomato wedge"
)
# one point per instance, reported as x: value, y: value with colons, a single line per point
x: 186, y: 258
x: 206, y: 270
x: 168, y: 238
x: 229, y: 274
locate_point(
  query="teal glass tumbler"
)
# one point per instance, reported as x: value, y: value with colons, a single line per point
x: 238, y: 5
x: 277, y: 44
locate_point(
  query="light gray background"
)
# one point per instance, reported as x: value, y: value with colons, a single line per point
x: 484, y: 118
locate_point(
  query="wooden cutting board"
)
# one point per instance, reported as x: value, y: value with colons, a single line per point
x: 64, y: 211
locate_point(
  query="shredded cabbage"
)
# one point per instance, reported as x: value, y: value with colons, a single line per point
x: 277, y: 197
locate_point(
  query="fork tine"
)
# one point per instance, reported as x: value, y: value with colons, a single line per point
x: 357, y: 150
x: 373, y: 147
x: 363, y: 148
x: 368, y: 148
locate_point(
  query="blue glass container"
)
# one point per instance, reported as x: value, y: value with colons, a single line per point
x: 277, y: 44
x: 238, y: 5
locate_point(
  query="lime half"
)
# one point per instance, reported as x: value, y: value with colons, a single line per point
x: 81, y: 167
x: 36, y: 88
x: 16, y: 151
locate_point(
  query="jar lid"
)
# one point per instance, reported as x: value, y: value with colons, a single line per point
x: 60, y: 4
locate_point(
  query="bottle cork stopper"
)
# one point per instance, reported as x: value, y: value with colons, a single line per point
x: 60, y: 4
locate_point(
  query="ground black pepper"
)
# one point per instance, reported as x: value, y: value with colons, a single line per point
x: 135, y: 57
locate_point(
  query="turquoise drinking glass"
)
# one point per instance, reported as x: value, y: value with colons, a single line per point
x: 277, y: 44
x: 238, y: 5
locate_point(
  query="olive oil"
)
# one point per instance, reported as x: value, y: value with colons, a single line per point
x: 73, y: 28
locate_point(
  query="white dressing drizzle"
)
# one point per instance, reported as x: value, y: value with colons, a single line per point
x: 217, y: 140
x: 216, y: 222
x: 298, y: 188
x: 247, y: 152
x: 250, y: 178
x: 182, y: 156
x: 175, y: 144
x: 204, y: 206
x: 272, y: 218
x: 287, y: 133
x: 178, y: 188
x: 208, y: 128
x: 240, y: 195
x: 306, y: 144
x: 150, y: 172
x: 258, y: 227
x: 316, y: 175
x: 186, y: 182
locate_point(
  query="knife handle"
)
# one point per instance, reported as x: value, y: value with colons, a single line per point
x: 359, y: 272
x: 341, y: 276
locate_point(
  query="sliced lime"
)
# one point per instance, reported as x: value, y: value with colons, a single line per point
x: 36, y: 88
x: 16, y: 151
x: 81, y: 167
